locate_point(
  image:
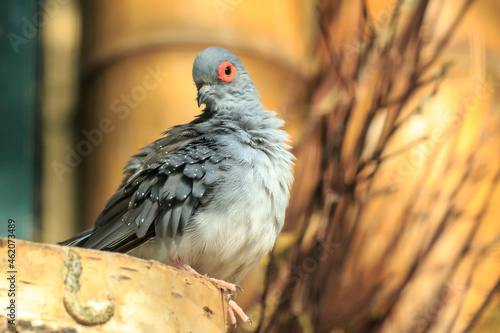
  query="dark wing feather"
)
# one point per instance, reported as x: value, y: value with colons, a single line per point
x: 164, y: 185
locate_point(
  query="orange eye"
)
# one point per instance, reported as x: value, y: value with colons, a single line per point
x: 226, y: 71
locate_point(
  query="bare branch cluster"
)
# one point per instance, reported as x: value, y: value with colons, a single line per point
x: 366, y: 235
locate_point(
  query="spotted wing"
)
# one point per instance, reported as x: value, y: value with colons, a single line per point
x: 162, y: 190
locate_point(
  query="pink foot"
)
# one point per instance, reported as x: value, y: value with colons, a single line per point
x: 233, y: 307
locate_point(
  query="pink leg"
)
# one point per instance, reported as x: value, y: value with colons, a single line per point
x: 233, y: 307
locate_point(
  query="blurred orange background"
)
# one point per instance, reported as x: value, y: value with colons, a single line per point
x: 129, y: 64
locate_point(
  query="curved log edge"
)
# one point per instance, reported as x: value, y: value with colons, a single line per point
x: 63, y: 289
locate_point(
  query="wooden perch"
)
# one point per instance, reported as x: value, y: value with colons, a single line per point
x: 65, y: 289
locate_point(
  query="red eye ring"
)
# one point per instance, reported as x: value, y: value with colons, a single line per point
x: 226, y: 71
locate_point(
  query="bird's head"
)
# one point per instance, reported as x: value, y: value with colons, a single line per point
x: 222, y: 80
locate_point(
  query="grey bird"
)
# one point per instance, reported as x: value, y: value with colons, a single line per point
x: 209, y: 196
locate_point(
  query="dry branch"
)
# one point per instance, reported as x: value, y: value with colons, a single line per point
x: 320, y: 290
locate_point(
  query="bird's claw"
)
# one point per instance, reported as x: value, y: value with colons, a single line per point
x: 225, y: 285
x: 232, y: 308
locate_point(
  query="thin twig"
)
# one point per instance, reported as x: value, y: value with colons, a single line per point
x: 447, y: 36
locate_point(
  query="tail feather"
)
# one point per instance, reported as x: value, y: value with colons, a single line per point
x: 78, y: 240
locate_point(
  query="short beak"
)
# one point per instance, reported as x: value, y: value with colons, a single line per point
x: 203, y: 94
